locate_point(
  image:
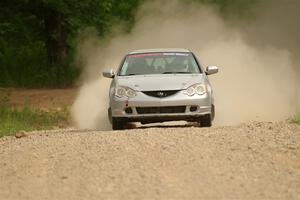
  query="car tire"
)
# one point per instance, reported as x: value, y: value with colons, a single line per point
x: 206, y: 121
x: 109, y: 115
x: 213, y: 112
x: 117, y: 124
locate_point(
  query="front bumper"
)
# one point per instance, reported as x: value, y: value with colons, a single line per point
x: 195, y: 106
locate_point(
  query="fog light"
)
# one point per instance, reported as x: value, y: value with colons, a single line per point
x: 193, y: 108
x: 128, y: 110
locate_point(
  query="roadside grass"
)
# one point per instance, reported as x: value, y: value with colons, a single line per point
x: 296, y: 119
x: 13, y: 120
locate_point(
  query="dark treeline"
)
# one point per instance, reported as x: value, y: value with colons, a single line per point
x: 38, y: 37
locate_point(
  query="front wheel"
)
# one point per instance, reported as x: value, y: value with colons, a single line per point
x: 206, y: 121
x: 117, y: 124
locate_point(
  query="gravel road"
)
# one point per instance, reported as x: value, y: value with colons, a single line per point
x: 250, y: 161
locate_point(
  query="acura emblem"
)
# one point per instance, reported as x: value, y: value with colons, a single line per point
x: 160, y: 94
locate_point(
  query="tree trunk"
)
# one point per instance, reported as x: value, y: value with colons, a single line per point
x: 55, y: 37
x: 298, y: 86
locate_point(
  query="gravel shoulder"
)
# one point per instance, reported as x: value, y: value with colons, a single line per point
x: 250, y: 161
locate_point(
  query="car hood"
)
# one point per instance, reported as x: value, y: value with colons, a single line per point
x: 159, y: 82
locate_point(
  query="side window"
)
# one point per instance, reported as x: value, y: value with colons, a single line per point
x: 193, y: 65
x: 124, y: 67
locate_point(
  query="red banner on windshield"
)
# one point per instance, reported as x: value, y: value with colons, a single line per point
x: 144, y: 55
x: 140, y: 55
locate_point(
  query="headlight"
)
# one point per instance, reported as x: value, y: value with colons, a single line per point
x: 124, y: 92
x: 199, y: 89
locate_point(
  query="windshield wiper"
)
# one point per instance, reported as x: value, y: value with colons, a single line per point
x: 177, y: 73
x: 132, y: 74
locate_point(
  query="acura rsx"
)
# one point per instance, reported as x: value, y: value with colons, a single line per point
x: 158, y: 85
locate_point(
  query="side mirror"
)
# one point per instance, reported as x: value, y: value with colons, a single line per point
x: 212, y: 70
x: 109, y: 73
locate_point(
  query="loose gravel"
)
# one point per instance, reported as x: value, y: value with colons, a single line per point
x: 250, y: 161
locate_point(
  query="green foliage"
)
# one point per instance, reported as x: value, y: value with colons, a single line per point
x: 28, y: 119
x: 296, y: 120
x: 27, y: 66
x: 31, y: 29
x: 24, y: 39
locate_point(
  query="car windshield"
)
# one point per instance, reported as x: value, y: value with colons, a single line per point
x: 159, y: 63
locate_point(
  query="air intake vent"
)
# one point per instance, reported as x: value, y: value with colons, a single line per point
x: 160, y: 110
x: 161, y: 94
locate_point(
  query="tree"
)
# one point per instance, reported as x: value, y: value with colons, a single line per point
x: 38, y: 37
x: 60, y: 20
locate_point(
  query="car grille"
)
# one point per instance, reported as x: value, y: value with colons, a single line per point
x: 161, y: 110
x: 160, y: 94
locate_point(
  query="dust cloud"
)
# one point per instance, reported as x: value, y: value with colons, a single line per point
x: 259, y: 63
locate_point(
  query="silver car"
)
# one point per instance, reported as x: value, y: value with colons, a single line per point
x: 158, y: 85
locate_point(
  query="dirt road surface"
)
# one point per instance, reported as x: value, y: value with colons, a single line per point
x: 43, y: 99
x: 250, y: 161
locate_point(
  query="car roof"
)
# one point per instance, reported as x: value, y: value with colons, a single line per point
x: 159, y: 51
